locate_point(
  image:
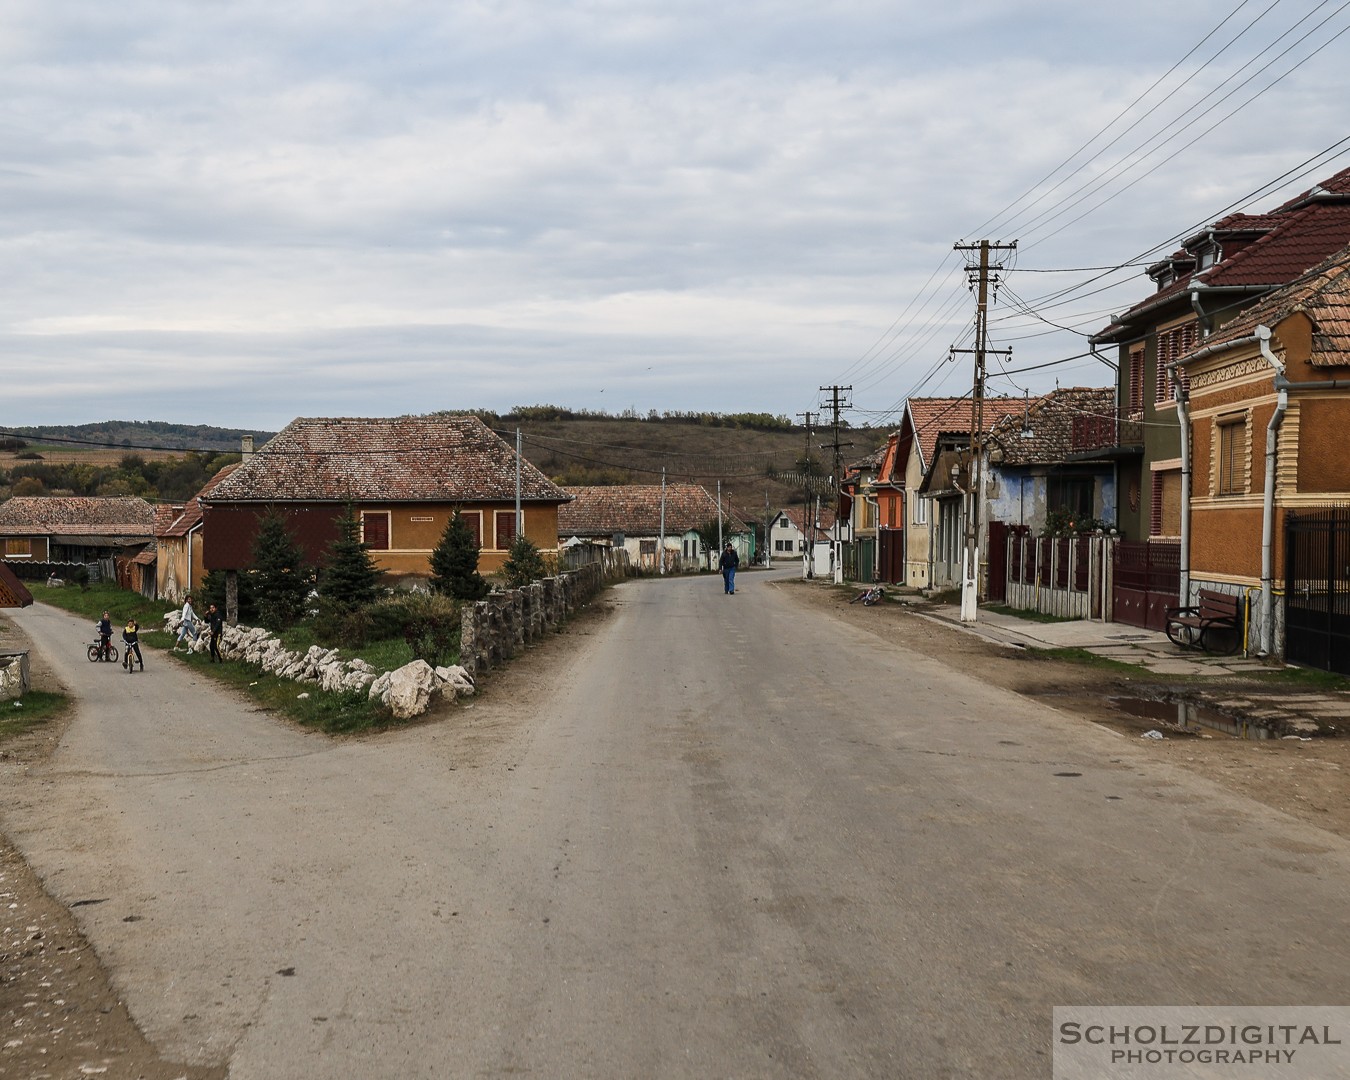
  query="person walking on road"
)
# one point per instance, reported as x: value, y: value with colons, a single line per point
x: 131, y: 640
x: 188, y: 627
x: 216, y: 624
x: 728, y: 563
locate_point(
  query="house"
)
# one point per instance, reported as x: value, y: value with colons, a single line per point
x: 636, y: 516
x: 934, y: 443
x: 403, y: 478
x: 73, y: 529
x: 178, y: 537
x: 1041, y: 471
x: 858, y: 506
x: 1266, y: 414
x: 790, y: 529
x: 1199, y: 288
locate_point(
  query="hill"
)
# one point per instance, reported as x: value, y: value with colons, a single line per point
x: 120, y: 435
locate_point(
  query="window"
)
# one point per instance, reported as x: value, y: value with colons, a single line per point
x: 375, y: 529
x: 1172, y: 346
x: 920, y: 511
x: 504, y: 522
x: 1071, y: 494
x: 474, y: 521
x: 18, y: 548
x: 1231, y: 477
x: 1136, y: 388
x: 647, y: 548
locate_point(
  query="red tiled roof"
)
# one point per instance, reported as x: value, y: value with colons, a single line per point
x: 437, y: 458
x: 635, y: 510
x: 77, y: 515
x: 1295, y: 236
x: 179, y: 520
x: 825, y: 519
x: 1046, y: 437
x: 1323, y: 293
x: 933, y: 417
x: 13, y: 592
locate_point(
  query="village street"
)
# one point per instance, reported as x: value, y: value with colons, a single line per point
x: 705, y: 835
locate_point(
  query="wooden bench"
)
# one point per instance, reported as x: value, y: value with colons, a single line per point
x: 1211, y: 625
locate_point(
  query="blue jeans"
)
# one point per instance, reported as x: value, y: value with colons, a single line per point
x: 729, y: 576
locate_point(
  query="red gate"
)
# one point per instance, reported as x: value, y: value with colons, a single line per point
x: 1146, y: 580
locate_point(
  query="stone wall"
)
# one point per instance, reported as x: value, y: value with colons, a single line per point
x: 495, y: 629
x: 14, y: 682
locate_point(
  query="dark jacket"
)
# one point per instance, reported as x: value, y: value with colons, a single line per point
x: 105, y: 628
x: 216, y: 622
x: 729, y: 560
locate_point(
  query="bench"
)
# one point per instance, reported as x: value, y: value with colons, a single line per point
x: 1211, y: 625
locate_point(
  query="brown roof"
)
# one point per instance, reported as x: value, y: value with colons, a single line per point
x: 1323, y: 293
x: 635, y: 510
x: 179, y: 520
x: 1295, y: 236
x: 825, y: 518
x: 932, y: 417
x: 76, y: 515
x: 437, y: 458
x: 1043, y: 435
x: 13, y: 592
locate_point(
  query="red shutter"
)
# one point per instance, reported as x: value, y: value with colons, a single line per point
x: 1137, y: 380
x: 1155, y: 510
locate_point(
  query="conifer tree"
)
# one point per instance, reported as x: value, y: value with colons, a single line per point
x: 350, y: 578
x: 454, y: 563
x: 281, y: 580
x: 524, y: 564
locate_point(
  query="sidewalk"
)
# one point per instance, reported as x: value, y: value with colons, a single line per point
x: 1299, y: 710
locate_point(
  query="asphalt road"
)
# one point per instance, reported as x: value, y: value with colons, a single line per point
x: 713, y: 836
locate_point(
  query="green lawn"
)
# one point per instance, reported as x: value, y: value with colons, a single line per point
x: 34, y: 709
x: 120, y: 603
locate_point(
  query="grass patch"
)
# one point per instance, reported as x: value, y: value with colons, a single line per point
x: 1310, y: 678
x: 1029, y: 616
x: 334, y: 714
x: 121, y: 603
x: 33, y: 710
x: 386, y: 654
x: 1090, y: 659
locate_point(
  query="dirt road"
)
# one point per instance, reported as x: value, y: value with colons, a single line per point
x: 716, y: 836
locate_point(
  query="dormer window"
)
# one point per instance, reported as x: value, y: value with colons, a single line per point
x: 1165, y: 278
x: 1208, y: 258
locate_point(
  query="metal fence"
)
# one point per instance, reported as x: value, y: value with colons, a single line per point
x: 1317, y: 588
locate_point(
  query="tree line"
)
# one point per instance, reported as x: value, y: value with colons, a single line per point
x: 165, y: 480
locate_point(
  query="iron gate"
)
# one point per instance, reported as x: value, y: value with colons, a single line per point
x: 1146, y: 581
x: 1317, y: 588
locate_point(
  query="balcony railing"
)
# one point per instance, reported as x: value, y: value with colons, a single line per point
x: 1100, y: 432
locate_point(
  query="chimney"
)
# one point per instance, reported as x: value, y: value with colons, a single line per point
x: 246, y: 446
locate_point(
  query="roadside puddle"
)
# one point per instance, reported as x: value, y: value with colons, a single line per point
x: 1182, y: 715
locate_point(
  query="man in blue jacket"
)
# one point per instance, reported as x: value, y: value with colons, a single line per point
x: 728, y: 563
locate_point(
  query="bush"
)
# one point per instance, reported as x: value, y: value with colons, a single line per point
x: 431, y: 628
x: 524, y: 564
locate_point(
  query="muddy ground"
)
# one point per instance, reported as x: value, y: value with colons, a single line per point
x: 60, y: 1016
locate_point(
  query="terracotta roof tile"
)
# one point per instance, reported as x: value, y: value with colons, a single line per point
x: 179, y: 520
x: 635, y: 510
x: 934, y: 417
x: 1049, y: 424
x: 1323, y: 293
x: 437, y: 458
x: 76, y: 515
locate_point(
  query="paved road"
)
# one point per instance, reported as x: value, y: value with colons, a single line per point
x: 726, y: 837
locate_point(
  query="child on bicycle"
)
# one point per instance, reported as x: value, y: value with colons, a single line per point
x: 104, y: 635
x: 132, y: 640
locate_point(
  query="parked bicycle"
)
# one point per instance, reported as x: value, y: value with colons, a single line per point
x: 102, y: 650
x: 869, y: 596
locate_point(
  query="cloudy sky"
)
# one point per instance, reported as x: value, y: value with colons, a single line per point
x: 237, y: 213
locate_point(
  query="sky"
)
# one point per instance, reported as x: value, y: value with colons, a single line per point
x: 239, y: 213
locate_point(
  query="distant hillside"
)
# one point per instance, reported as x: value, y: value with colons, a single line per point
x: 755, y: 456
x: 151, y: 434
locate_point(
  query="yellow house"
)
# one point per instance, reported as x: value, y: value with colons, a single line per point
x: 404, y: 478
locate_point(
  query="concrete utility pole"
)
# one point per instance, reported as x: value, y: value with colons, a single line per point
x: 836, y: 543
x: 970, y: 559
x: 719, y: 519
x: 661, y: 554
x: 807, y: 419
x: 520, y: 525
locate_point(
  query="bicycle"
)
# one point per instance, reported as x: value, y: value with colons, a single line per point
x: 101, y: 650
x: 129, y: 661
x: 870, y: 596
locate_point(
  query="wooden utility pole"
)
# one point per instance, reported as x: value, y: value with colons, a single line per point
x: 970, y: 561
x: 837, y: 403
x: 808, y: 418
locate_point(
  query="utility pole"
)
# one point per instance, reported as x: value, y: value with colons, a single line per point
x: 836, y: 544
x: 719, y: 518
x: 808, y: 418
x: 662, y: 553
x: 520, y: 525
x: 970, y: 559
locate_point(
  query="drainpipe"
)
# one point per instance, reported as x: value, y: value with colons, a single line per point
x: 1184, y: 419
x: 1268, y: 496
